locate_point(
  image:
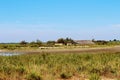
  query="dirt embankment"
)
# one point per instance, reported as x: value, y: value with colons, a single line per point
x: 0, y: 50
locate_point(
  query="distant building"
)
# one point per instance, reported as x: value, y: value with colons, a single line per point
x: 59, y: 44
x: 69, y: 44
x: 84, y: 42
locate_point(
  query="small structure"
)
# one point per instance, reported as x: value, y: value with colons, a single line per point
x: 59, y: 44
x: 69, y: 44
x: 84, y: 42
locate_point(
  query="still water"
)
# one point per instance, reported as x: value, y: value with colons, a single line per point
x: 9, y: 53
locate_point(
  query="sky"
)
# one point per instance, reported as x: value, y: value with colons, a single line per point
x: 52, y: 19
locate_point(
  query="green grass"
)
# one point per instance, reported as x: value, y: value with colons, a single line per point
x: 48, y: 66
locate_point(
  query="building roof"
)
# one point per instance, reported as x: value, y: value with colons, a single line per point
x: 84, y: 41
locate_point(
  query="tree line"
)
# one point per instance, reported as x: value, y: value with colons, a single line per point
x: 64, y: 41
x: 36, y: 44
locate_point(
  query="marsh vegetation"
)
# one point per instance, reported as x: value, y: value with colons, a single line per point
x: 48, y: 66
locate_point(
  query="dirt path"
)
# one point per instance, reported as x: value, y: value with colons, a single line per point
x: 77, y: 50
x: 70, y: 50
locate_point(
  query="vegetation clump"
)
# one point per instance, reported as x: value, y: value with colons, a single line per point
x: 94, y: 77
x: 33, y: 76
x: 66, y: 75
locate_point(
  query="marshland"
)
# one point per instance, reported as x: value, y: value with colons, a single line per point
x: 67, y: 62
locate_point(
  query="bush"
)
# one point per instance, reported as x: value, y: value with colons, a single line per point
x: 66, y: 75
x: 21, y: 70
x: 33, y: 76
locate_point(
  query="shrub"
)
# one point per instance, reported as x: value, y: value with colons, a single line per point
x: 95, y: 70
x: 21, y: 70
x: 33, y: 76
x: 66, y: 75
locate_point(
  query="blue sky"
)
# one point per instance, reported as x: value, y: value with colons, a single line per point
x: 52, y: 19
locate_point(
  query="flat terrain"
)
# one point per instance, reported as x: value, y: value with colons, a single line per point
x: 78, y: 50
x: 67, y: 50
x: 99, y: 63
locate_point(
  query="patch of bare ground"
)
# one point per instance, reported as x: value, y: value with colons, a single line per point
x: 73, y: 78
x: 83, y: 77
x: 79, y: 50
x: 0, y: 50
x: 107, y: 79
x: 68, y: 50
x: 80, y: 78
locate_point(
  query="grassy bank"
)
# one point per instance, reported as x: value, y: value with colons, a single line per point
x: 60, y: 66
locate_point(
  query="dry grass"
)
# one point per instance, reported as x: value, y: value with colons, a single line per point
x: 46, y: 66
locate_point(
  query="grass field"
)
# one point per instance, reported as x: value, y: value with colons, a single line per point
x: 48, y: 66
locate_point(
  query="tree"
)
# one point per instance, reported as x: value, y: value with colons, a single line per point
x: 61, y: 40
x: 33, y: 44
x: 38, y: 42
x: 101, y: 42
x: 69, y: 40
x: 115, y: 40
x: 23, y: 43
x: 93, y: 40
x: 65, y: 41
x: 50, y: 43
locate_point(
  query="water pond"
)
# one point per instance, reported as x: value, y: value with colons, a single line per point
x: 9, y: 53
